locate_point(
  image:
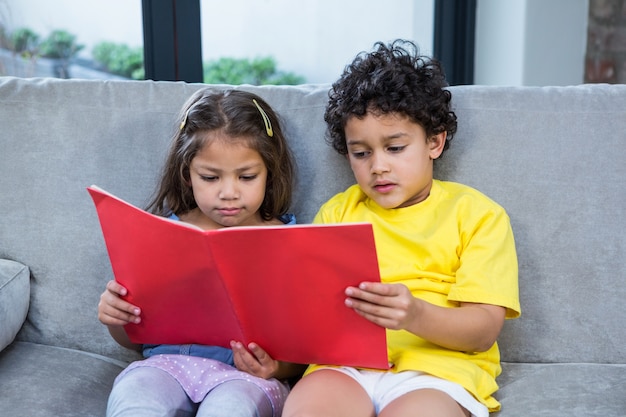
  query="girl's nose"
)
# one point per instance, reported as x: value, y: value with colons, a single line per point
x: 229, y: 190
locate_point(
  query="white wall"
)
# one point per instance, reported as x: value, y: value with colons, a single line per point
x: 499, y: 48
x: 530, y: 42
x: 556, y: 42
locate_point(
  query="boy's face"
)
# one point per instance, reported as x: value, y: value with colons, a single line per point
x: 391, y: 158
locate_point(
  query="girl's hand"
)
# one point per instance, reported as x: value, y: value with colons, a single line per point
x: 254, y: 360
x: 389, y: 305
x: 113, y: 310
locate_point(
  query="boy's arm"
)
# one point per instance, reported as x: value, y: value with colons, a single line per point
x: 468, y: 328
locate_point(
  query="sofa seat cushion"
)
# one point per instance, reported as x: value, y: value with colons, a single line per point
x: 39, y: 380
x: 14, y: 299
x: 575, y: 390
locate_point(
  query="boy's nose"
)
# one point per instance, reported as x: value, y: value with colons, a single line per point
x: 379, y: 163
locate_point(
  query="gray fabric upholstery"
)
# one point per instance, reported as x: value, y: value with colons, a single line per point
x: 14, y: 296
x: 552, y: 156
x: 562, y: 389
x: 41, y: 380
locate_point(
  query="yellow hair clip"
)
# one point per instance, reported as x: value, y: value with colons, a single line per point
x: 184, y: 122
x: 266, y: 119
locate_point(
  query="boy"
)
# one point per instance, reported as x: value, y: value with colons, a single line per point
x: 446, y: 252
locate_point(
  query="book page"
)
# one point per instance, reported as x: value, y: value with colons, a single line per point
x: 287, y: 285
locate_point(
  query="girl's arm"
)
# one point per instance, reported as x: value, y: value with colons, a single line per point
x: 468, y: 328
x: 120, y: 336
x: 288, y: 370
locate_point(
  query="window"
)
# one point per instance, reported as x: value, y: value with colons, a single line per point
x: 311, y: 39
x: 207, y: 40
x: 71, y: 38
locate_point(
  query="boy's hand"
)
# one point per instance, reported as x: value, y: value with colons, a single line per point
x: 389, y: 305
x: 254, y: 360
x: 471, y: 327
x: 113, y: 310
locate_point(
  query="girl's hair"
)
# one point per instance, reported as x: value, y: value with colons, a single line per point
x: 240, y: 117
x: 393, y: 78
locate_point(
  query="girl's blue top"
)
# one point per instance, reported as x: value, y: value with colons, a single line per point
x: 218, y: 353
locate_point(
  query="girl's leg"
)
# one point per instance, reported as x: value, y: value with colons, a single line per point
x: 145, y: 391
x: 328, y: 393
x: 424, y: 403
x: 236, y: 398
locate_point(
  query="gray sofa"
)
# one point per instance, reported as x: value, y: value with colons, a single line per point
x: 554, y: 157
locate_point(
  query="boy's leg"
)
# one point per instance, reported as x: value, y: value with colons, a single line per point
x: 328, y: 393
x: 236, y: 398
x: 146, y: 391
x: 424, y: 403
x: 411, y: 393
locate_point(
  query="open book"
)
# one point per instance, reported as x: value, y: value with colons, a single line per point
x: 281, y: 287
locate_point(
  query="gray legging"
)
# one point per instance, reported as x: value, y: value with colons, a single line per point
x: 153, y: 392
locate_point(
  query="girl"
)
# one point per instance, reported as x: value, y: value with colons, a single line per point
x: 229, y: 165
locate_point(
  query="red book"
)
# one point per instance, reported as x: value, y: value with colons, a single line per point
x: 281, y: 287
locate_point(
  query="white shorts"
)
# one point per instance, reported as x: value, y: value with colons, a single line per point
x: 384, y: 387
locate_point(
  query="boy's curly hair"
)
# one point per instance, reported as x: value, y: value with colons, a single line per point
x: 393, y: 78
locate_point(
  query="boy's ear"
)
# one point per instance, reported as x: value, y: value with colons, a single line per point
x: 436, y: 144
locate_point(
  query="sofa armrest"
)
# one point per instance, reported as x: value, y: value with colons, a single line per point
x: 14, y: 299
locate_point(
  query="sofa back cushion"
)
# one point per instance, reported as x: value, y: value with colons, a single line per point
x: 60, y: 136
x: 553, y: 157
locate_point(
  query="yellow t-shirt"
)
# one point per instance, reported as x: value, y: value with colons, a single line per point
x: 455, y: 246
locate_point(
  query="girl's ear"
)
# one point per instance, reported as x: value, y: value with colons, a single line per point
x: 186, y: 177
x: 436, y: 144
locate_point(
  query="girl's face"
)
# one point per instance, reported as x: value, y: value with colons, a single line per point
x: 228, y: 182
x: 391, y: 158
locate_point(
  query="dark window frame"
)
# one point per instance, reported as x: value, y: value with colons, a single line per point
x: 454, y: 39
x: 173, y: 39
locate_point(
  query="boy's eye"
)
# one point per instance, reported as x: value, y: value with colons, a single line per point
x: 395, y: 149
x: 359, y: 154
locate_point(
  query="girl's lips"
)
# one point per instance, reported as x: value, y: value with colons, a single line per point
x: 229, y: 211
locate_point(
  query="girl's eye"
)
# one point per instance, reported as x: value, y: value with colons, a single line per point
x: 208, y: 178
x: 248, y: 177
